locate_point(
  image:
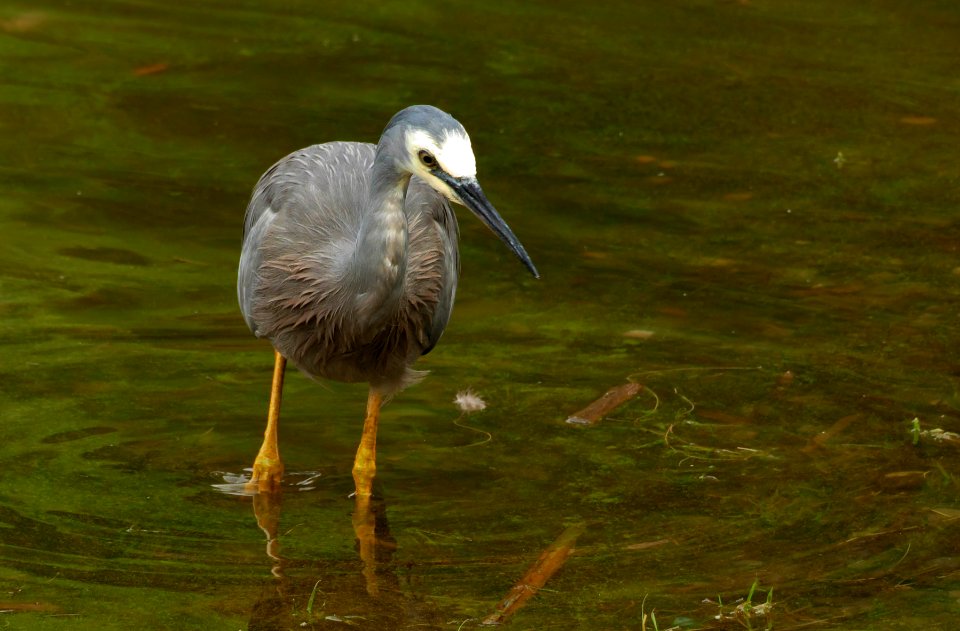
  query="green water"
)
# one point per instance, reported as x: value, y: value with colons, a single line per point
x: 769, y: 188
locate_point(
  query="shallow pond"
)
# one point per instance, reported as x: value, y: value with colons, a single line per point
x: 750, y: 208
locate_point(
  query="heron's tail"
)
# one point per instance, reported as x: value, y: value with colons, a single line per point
x: 410, y: 377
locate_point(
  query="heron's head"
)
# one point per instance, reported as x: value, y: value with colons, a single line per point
x: 436, y: 148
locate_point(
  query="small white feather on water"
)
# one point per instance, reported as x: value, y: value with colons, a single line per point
x: 468, y: 402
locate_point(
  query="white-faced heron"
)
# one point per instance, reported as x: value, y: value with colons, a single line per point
x: 349, y: 264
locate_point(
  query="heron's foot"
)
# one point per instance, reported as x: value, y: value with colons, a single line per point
x: 267, y: 475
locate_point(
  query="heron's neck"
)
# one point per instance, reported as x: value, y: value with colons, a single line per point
x: 380, y: 260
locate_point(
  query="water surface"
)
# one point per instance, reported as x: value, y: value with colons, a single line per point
x: 748, y: 207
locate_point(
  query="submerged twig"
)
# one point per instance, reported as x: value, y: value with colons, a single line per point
x: 820, y: 439
x: 551, y: 560
x: 611, y: 399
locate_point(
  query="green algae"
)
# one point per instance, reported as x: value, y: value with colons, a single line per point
x: 671, y: 168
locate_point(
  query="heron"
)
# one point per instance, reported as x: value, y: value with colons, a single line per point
x: 350, y: 263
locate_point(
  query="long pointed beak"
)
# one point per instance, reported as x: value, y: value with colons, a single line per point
x: 470, y: 193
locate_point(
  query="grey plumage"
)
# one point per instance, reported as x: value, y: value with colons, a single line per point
x: 350, y: 262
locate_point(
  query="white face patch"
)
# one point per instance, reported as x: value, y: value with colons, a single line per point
x: 454, y: 155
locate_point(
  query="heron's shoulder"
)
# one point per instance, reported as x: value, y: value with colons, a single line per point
x: 327, y: 160
x: 327, y: 179
x: 317, y: 172
x: 336, y: 153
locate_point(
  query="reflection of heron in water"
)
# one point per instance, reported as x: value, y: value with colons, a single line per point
x: 350, y: 262
x: 370, y: 599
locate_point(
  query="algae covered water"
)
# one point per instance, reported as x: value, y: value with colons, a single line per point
x: 747, y: 208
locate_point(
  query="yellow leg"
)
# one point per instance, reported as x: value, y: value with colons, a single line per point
x: 365, y: 464
x: 268, y: 468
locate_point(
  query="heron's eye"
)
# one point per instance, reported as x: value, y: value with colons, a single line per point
x: 427, y: 159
